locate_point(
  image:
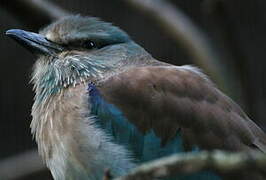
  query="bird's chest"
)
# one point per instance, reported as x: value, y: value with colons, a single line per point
x: 70, y: 141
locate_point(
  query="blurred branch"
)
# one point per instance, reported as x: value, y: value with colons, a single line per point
x: 181, y: 29
x: 183, y: 163
x: 21, y: 165
x: 188, y: 163
x: 34, y: 13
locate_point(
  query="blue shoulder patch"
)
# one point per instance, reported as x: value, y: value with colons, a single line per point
x: 145, y: 147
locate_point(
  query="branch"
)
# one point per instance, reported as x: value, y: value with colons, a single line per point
x: 21, y: 165
x: 188, y: 163
x: 183, y: 163
x: 184, y: 32
x: 34, y: 13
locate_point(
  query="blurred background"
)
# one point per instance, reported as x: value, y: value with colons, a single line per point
x: 235, y: 31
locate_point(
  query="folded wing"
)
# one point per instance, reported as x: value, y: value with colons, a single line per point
x: 169, y: 99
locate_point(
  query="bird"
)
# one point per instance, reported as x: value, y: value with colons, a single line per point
x: 103, y: 102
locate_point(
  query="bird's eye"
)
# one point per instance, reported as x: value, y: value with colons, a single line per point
x: 89, y: 44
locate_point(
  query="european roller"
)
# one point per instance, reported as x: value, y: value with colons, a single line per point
x: 103, y: 102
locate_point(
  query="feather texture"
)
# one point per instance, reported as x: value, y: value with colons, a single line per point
x: 167, y: 99
x: 144, y: 146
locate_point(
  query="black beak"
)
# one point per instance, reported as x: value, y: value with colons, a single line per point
x: 34, y: 42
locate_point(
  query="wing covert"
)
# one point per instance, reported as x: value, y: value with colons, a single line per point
x: 167, y: 99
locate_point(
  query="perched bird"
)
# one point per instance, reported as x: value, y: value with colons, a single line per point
x: 103, y: 102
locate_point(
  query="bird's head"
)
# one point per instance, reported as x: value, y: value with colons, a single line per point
x: 76, y: 49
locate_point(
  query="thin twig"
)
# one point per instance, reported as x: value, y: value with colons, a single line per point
x: 221, y: 162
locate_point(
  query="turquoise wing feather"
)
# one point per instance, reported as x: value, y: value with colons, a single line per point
x: 145, y: 147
